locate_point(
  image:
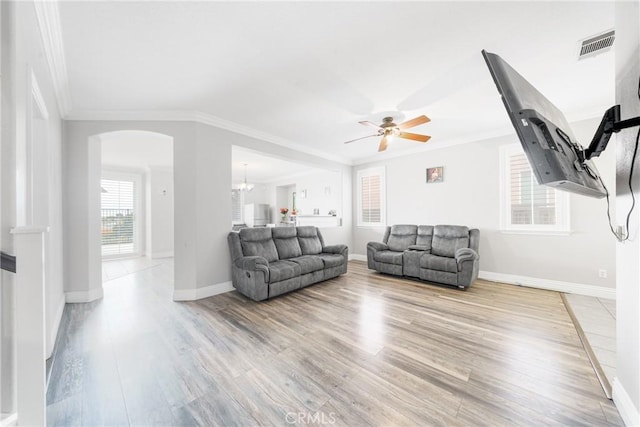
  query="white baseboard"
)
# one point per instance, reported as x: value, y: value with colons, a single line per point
x: 357, y: 257
x: 199, y: 293
x: 553, y: 285
x: 53, y: 333
x: 157, y: 255
x: 626, y: 408
x: 84, y: 296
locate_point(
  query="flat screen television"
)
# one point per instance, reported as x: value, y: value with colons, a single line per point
x: 555, y: 156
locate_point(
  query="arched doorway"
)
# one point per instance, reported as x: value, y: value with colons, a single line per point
x: 136, y: 203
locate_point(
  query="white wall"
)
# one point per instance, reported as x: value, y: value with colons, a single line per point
x: 324, y: 192
x: 202, y: 204
x: 7, y: 215
x: 82, y: 166
x: 469, y: 195
x: 159, y: 212
x: 626, y: 389
x: 22, y: 56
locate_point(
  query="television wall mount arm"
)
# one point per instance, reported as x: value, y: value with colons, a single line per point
x: 610, y: 124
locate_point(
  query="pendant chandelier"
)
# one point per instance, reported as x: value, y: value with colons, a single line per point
x: 244, y: 186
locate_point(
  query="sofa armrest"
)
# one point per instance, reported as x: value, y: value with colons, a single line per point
x: 252, y: 263
x: 250, y: 276
x: 372, y: 249
x: 463, y: 255
x: 335, y: 249
x: 378, y: 246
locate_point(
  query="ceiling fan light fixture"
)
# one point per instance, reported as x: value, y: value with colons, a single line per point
x: 388, y: 130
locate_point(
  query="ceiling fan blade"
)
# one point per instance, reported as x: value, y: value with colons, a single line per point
x: 383, y: 144
x: 414, y: 122
x: 414, y: 136
x: 368, y: 123
x: 358, y: 139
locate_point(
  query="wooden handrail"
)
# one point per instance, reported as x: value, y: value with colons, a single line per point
x: 8, y: 262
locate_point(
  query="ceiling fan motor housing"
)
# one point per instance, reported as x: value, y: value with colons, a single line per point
x: 388, y: 122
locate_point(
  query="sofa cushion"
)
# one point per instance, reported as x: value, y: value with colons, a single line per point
x: 283, y: 270
x: 401, y: 237
x: 286, y: 241
x: 440, y: 263
x: 309, y: 239
x: 331, y: 260
x: 425, y: 236
x: 258, y: 242
x: 308, y: 263
x: 389, y: 257
x: 447, y: 239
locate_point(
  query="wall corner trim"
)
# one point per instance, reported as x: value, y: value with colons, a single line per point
x: 53, y: 333
x: 626, y: 408
x: 48, y: 17
x: 74, y: 297
x: 200, y: 293
x: 552, y: 285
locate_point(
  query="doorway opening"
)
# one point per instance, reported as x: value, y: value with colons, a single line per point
x: 137, y: 202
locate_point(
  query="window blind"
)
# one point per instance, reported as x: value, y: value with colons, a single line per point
x: 530, y: 203
x: 236, y: 206
x: 370, y: 194
x: 118, y: 204
x: 371, y: 197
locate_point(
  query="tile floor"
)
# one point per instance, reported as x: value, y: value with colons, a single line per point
x: 116, y: 268
x: 597, y: 317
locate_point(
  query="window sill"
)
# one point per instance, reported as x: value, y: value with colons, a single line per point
x: 538, y: 232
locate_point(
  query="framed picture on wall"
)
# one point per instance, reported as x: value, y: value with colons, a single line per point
x: 435, y: 174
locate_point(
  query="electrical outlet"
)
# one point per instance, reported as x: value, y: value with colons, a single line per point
x: 602, y: 273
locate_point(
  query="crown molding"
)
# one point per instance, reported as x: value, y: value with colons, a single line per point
x: 133, y: 115
x: 212, y: 120
x: 48, y: 18
x: 204, y: 118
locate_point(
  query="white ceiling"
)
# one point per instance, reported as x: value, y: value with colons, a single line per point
x: 307, y: 72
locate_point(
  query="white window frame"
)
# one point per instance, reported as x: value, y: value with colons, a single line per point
x: 241, y: 221
x: 139, y: 224
x: 380, y: 171
x: 562, y: 226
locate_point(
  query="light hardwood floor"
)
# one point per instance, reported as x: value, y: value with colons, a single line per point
x: 361, y: 349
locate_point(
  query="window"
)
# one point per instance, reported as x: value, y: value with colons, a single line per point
x: 119, y: 214
x: 236, y: 206
x: 371, y: 197
x: 526, y: 205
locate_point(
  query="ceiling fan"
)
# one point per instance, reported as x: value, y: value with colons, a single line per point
x: 388, y: 130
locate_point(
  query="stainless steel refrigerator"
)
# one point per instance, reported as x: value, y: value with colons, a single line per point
x: 257, y: 215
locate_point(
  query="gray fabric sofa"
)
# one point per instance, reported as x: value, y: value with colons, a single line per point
x: 267, y: 262
x: 445, y: 254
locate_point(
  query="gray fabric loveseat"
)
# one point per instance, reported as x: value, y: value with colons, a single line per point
x: 445, y: 254
x: 267, y: 262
